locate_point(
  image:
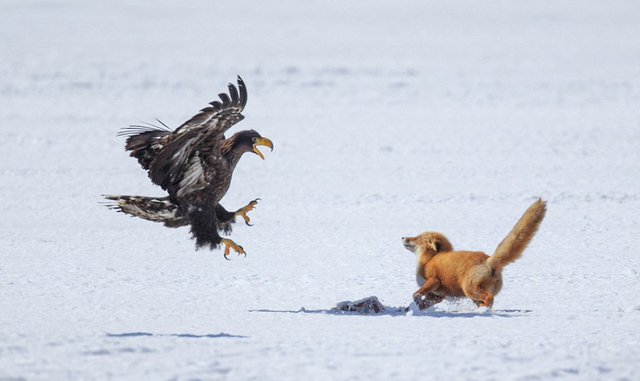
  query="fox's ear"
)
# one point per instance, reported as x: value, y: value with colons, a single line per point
x: 433, y: 245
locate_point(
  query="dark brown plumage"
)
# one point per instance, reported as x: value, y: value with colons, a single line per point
x: 194, y: 164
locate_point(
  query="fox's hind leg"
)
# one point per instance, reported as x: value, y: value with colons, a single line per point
x: 480, y: 285
x: 480, y: 296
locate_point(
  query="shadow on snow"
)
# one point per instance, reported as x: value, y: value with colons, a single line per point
x: 187, y: 335
x: 406, y: 311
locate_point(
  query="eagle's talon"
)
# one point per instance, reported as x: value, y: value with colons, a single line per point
x: 229, y: 244
x: 242, y: 212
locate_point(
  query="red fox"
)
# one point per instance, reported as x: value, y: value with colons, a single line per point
x: 442, y: 272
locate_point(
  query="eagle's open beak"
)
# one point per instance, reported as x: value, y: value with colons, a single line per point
x: 261, y: 142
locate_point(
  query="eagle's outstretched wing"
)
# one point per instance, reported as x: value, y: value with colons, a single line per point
x: 176, y: 160
x: 220, y: 116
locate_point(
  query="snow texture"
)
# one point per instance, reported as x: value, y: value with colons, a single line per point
x: 388, y: 119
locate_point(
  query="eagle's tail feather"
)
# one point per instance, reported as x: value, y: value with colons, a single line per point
x: 157, y: 209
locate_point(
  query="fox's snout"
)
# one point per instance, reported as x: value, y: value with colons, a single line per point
x: 408, y: 243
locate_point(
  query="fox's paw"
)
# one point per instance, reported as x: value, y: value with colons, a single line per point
x: 420, y: 301
x: 483, y: 310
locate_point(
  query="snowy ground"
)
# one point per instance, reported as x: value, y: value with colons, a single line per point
x: 388, y: 118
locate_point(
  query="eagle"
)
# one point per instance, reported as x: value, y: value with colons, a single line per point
x: 194, y: 165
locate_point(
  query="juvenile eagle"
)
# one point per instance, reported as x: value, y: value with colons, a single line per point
x: 194, y: 164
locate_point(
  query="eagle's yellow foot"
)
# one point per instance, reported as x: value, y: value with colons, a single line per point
x: 242, y: 212
x: 229, y: 244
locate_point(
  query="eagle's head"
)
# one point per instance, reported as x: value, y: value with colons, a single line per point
x: 245, y: 141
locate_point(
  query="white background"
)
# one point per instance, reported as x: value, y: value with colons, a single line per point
x: 388, y: 119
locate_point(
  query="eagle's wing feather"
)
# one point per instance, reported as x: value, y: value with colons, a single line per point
x: 171, y: 164
x: 193, y: 178
x: 196, y: 145
x: 145, y: 145
x: 228, y: 106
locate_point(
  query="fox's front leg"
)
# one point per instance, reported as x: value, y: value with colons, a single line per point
x: 425, y: 297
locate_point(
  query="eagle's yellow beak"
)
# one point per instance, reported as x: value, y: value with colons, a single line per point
x: 261, y: 142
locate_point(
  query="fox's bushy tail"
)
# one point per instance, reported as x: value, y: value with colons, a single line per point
x: 157, y: 209
x: 516, y: 241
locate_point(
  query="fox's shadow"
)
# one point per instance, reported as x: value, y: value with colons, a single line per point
x: 406, y: 311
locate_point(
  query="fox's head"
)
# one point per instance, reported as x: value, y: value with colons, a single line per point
x: 427, y: 241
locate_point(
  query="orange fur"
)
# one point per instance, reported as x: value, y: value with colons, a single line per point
x: 442, y: 272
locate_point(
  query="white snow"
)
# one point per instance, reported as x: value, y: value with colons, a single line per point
x: 388, y: 119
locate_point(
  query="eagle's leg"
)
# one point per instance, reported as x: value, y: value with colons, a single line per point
x: 242, y: 212
x: 229, y: 244
x: 225, y: 219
